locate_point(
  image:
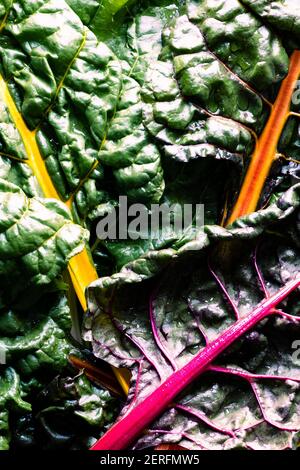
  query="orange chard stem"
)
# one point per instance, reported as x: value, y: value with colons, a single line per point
x: 98, y: 375
x: 266, y: 147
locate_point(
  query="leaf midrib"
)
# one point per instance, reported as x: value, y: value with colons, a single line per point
x: 81, y: 267
x: 266, y: 146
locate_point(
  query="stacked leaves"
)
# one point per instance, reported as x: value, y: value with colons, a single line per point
x: 162, y: 103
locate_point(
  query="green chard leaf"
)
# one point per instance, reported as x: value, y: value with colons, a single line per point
x: 283, y: 15
x: 37, y: 239
x: 103, y: 17
x: 71, y: 116
x: 38, y: 235
x: 73, y: 410
x: 11, y: 397
x: 159, y: 107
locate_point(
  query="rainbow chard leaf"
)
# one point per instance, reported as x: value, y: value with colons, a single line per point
x: 150, y: 120
x: 63, y: 108
x: 38, y: 236
x: 161, y: 101
x: 210, y: 341
x: 188, y: 59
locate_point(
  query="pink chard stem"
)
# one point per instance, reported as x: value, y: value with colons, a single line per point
x: 132, y: 425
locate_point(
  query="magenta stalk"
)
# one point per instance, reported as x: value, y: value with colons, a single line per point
x: 131, y: 426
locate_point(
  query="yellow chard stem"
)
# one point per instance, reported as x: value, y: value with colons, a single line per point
x: 81, y: 267
x: 266, y: 147
x: 35, y: 159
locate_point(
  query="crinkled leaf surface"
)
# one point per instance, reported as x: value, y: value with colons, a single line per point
x: 283, y: 15
x: 130, y: 119
x: 10, y: 397
x: 188, y: 60
x: 37, y: 239
x: 250, y: 396
x: 62, y: 104
x: 170, y: 111
x: 103, y: 17
x: 34, y: 347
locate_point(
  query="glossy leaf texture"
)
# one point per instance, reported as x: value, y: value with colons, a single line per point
x: 147, y: 117
x: 248, y: 398
x: 67, y: 93
x: 209, y: 74
x: 72, y: 410
x: 38, y: 235
x: 169, y: 106
x: 283, y: 15
x: 103, y: 17
x: 37, y: 239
